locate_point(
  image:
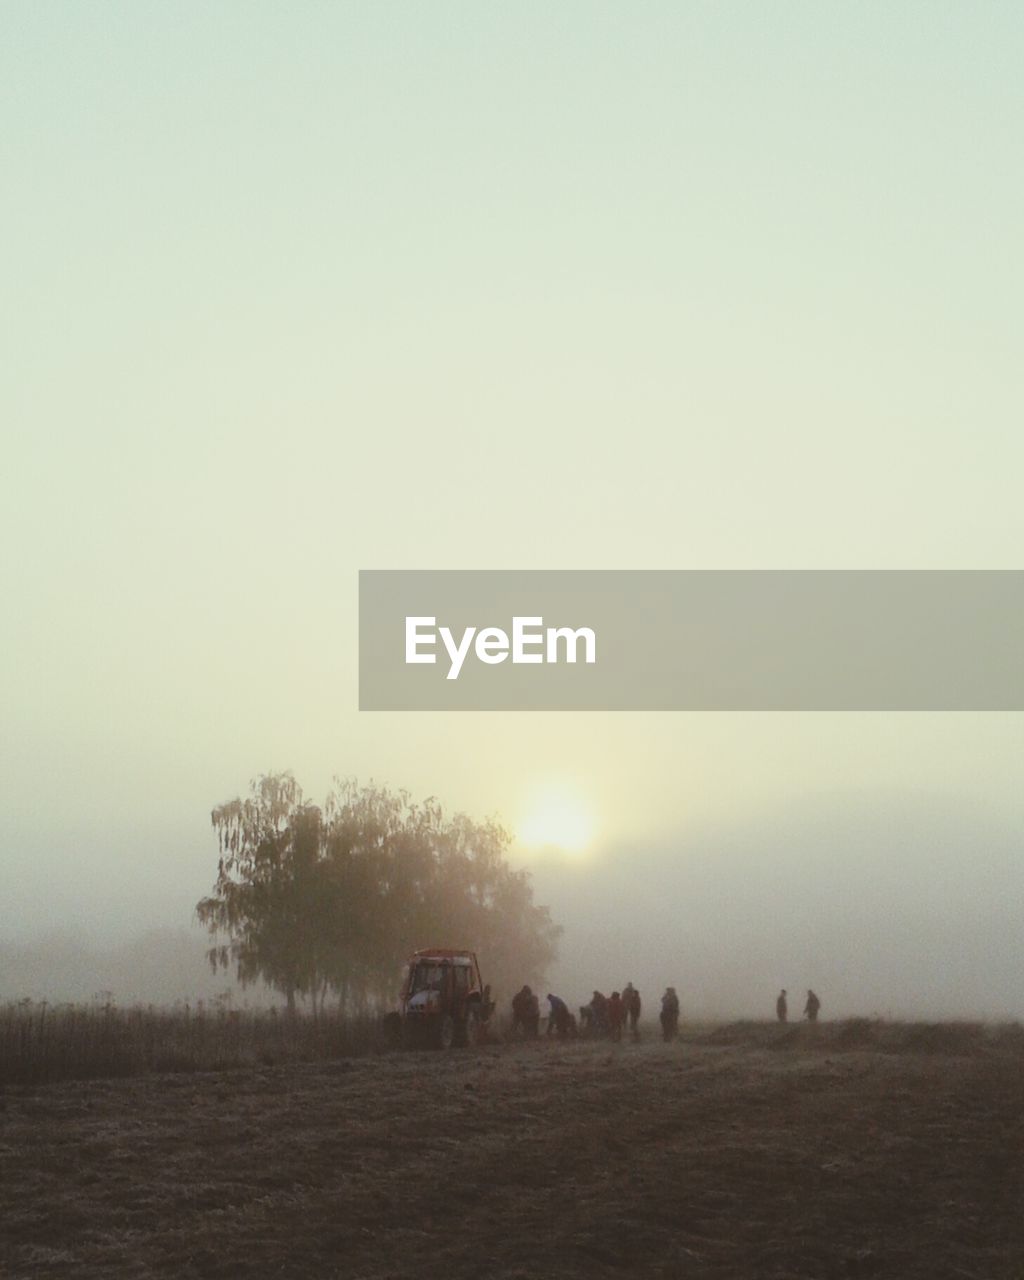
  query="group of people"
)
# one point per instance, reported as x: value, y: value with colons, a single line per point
x: 810, y: 1008
x: 608, y: 1016
x: 605, y: 1016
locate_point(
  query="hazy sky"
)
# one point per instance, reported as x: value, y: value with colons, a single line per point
x: 294, y: 290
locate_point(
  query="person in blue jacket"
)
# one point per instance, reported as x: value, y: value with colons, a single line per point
x: 559, y: 1019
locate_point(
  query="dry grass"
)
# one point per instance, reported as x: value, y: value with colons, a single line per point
x: 869, y: 1033
x: 42, y: 1043
x: 749, y: 1158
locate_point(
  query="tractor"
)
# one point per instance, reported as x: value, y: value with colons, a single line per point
x: 443, y: 1001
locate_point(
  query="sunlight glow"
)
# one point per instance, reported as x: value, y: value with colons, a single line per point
x: 557, y: 818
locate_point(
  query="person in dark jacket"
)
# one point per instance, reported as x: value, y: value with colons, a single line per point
x: 632, y: 1006
x: 616, y: 1016
x: 599, y: 1014
x: 669, y: 1014
x: 525, y: 1014
x: 781, y: 1008
x: 812, y: 1006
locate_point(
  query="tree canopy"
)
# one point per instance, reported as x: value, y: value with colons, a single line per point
x: 319, y: 899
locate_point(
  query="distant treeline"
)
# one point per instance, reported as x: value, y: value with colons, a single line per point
x: 329, y: 900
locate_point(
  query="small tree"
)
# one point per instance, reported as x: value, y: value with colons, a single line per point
x: 267, y: 899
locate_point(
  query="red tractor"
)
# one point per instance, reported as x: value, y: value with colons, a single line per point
x: 443, y: 1001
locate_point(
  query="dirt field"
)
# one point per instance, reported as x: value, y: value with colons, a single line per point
x: 743, y: 1155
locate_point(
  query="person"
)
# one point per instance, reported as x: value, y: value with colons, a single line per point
x: 519, y: 1010
x: 812, y: 1006
x: 599, y: 1014
x: 631, y: 1004
x: 669, y: 1013
x: 616, y: 1016
x: 525, y: 1013
x: 781, y: 1008
x: 559, y: 1018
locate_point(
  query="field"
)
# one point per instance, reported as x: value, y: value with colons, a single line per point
x: 749, y: 1151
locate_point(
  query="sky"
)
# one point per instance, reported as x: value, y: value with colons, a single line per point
x: 291, y: 291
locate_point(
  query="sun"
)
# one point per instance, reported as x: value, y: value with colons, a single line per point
x: 557, y: 817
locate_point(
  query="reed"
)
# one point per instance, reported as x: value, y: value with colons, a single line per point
x: 41, y: 1043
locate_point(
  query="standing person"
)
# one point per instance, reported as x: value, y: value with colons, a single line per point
x: 631, y: 1002
x: 781, y: 1008
x: 559, y: 1019
x: 616, y: 1016
x: 669, y: 1014
x: 599, y: 1014
x: 812, y: 1006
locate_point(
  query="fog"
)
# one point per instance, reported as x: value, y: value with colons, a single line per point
x: 160, y: 966
x: 888, y: 905
x: 900, y: 905
x: 298, y: 297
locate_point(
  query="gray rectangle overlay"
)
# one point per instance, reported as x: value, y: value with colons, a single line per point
x: 666, y: 640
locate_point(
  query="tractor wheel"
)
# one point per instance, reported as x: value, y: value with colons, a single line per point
x: 446, y: 1032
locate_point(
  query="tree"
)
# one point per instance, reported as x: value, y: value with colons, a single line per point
x: 316, y: 899
x: 267, y: 890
